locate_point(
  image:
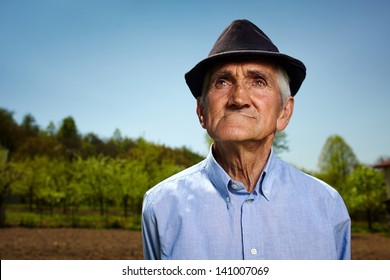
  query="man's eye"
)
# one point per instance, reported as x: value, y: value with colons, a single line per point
x: 220, y: 83
x: 260, y: 83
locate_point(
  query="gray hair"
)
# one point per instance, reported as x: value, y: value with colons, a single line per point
x: 283, y: 81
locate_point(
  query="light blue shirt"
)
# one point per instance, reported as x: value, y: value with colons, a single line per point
x: 201, y: 213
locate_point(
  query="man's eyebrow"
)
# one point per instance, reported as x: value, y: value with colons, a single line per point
x: 221, y: 74
x: 259, y: 73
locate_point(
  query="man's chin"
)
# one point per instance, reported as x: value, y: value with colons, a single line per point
x: 236, y: 137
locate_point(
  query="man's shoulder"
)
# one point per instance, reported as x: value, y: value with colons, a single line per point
x: 191, y: 171
x: 177, y: 181
x: 307, y: 181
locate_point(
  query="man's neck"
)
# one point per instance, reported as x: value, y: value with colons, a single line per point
x: 244, y: 162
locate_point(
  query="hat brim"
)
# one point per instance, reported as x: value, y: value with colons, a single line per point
x: 295, y: 69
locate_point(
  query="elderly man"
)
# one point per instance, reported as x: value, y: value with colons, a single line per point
x: 242, y: 202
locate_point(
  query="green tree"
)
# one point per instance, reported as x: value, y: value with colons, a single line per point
x: 92, y: 145
x: 336, y: 162
x: 29, y: 127
x: 9, y: 131
x: 69, y: 137
x: 131, y: 183
x: 32, y: 171
x: 30, y: 138
x: 42, y: 145
x: 96, y: 179
x: 43, y: 182
x: 369, y: 191
x: 117, y: 136
x: 8, y: 174
x: 50, y: 129
x: 52, y: 185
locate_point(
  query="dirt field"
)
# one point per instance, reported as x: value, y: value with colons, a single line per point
x: 88, y: 244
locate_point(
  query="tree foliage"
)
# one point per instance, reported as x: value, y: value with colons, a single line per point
x: 362, y: 188
x: 9, y: 131
x: 63, y: 170
x: 368, y: 190
x: 8, y: 174
x: 69, y: 137
x: 337, y: 161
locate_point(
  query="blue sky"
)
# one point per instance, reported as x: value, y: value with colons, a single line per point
x: 120, y: 64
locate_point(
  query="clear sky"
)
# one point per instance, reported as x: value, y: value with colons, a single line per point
x: 120, y: 64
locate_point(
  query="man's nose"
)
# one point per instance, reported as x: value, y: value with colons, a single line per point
x: 239, y: 96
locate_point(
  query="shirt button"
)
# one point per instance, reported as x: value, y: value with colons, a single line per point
x: 253, y: 252
x: 234, y: 187
x: 249, y: 201
x: 228, y: 199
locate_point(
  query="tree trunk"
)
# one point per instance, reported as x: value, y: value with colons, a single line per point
x: 30, y: 198
x: 125, y: 206
x: 101, y: 204
x: 3, y: 195
x: 369, y: 219
x: 2, y: 210
x: 387, y: 202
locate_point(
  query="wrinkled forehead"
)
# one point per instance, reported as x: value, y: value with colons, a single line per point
x: 244, y: 67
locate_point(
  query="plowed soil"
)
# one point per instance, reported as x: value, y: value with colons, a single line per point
x: 91, y: 244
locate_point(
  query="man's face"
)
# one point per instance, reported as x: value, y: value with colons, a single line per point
x: 243, y: 103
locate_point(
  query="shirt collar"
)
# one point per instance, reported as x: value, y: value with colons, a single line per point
x: 218, y: 177
x: 221, y: 179
x: 264, y: 183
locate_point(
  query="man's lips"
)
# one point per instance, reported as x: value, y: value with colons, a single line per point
x: 240, y: 113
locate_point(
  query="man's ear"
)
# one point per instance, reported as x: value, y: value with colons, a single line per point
x: 285, y: 114
x: 199, y: 111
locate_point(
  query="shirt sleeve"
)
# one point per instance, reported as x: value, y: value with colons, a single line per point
x: 150, y: 235
x: 342, y: 231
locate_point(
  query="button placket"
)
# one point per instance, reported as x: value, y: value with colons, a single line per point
x: 250, y: 238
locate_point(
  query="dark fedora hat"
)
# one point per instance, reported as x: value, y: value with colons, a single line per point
x: 244, y: 40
